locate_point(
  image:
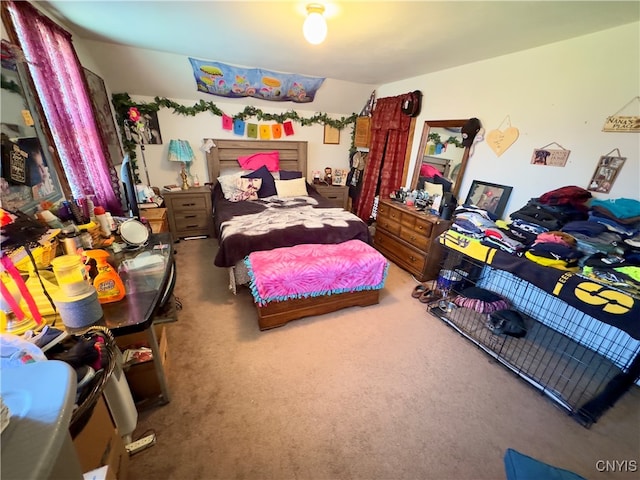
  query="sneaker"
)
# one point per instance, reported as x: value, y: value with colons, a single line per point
x: 48, y: 337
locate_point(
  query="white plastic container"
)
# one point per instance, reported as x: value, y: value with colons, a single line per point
x: 120, y: 401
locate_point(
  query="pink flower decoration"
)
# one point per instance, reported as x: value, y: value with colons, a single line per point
x: 134, y: 114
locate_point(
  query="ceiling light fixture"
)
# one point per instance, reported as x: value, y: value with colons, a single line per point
x: 315, y: 26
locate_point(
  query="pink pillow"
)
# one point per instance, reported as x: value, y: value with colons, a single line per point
x: 253, y: 162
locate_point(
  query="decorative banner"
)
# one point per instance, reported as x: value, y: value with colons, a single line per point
x: 500, y: 141
x: 252, y: 130
x: 265, y: 132
x: 276, y: 130
x: 238, y: 126
x: 547, y: 156
x: 606, y: 172
x: 227, y: 122
x: 229, y: 81
x: 288, y: 128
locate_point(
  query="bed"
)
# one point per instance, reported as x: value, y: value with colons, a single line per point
x: 267, y: 223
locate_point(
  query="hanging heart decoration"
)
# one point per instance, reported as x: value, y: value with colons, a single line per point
x: 500, y: 141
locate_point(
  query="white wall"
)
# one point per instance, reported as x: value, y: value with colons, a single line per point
x: 558, y: 93
x: 207, y: 125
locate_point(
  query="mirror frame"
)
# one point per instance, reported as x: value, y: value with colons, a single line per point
x: 428, y: 125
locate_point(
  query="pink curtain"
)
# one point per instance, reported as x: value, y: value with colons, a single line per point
x: 388, y: 147
x: 60, y: 85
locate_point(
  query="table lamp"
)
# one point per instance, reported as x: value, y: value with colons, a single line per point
x: 180, y: 151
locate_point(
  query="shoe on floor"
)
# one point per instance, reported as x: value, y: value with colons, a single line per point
x: 418, y: 291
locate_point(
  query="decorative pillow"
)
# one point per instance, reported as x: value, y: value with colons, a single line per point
x: 246, y: 189
x: 292, y: 188
x: 268, y: 187
x: 432, y: 189
x: 253, y: 162
x: 289, y: 174
x: 228, y: 183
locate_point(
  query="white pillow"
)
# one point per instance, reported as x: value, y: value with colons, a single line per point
x: 228, y: 183
x: 433, y: 188
x: 292, y: 188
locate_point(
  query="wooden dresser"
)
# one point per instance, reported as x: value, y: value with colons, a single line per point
x: 408, y: 238
x: 190, y: 212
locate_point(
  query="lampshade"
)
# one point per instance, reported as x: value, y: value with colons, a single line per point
x: 315, y: 26
x: 180, y: 151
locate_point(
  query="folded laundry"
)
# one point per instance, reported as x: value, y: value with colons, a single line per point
x: 556, y: 236
x: 585, y: 227
x: 619, y: 207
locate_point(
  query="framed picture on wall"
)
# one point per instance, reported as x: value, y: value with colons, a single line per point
x: 104, y: 116
x: 331, y: 135
x: 489, y: 196
x: 606, y: 173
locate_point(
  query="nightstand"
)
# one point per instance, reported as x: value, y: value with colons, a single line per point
x: 190, y: 212
x: 338, y: 194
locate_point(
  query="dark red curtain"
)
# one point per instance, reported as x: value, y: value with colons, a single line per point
x: 388, y: 147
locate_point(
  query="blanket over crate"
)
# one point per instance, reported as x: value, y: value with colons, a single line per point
x: 313, y: 270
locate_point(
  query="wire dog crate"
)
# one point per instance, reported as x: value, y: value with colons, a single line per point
x: 576, y: 360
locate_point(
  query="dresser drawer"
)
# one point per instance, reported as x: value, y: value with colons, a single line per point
x: 338, y: 194
x: 185, y: 220
x: 415, y: 238
x: 387, y: 222
x: 404, y: 256
x: 188, y: 202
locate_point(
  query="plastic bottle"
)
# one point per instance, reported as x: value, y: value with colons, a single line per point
x: 196, y: 180
x: 107, y: 283
x: 103, y: 221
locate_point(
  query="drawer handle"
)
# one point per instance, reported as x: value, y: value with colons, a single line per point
x: 190, y: 216
x: 412, y: 259
x: 413, y: 238
x: 192, y: 226
x: 188, y: 204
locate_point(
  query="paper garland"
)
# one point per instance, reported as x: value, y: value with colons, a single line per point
x: 253, y: 130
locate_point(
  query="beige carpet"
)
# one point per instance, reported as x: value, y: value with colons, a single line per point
x: 382, y: 392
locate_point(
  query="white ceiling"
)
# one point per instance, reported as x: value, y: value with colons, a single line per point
x: 369, y: 42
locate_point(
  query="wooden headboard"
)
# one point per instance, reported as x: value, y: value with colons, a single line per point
x: 224, y: 155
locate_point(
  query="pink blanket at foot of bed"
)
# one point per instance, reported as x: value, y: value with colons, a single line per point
x: 312, y: 270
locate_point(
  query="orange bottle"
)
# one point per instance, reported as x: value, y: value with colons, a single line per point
x: 107, y: 283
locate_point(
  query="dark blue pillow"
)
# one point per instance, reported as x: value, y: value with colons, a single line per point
x: 268, y: 186
x: 289, y: 174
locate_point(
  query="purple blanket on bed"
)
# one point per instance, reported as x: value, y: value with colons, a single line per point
x: 268, y: 223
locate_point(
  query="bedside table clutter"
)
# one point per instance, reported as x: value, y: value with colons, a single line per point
x: 189, y: 212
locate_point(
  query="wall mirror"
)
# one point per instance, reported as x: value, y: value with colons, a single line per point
x: 28, y: 176
x: 441, y: 149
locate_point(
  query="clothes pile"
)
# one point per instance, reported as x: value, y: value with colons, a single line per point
x: 566, y: 229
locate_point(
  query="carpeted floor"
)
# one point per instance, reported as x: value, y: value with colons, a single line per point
x: 382, y: 392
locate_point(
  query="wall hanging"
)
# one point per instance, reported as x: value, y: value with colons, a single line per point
x: 230, y: 81
x: 104, y: 117
x: 550, y: 156
x: 606, y: 172
x: 619, y: 123
x: 499, y: 141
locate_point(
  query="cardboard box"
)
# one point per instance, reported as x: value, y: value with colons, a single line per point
x: 142, y: 377
x: 99, y: 444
